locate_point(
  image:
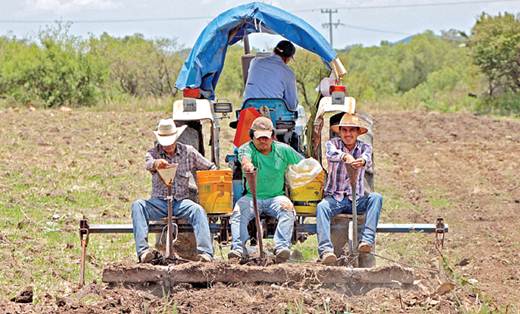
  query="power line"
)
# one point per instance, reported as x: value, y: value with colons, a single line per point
x: 374, y: 29
x: 169, y: 19
x: 190, y: 18
x: 329, y: 11
x: 410, y: 5
x: 109, y: 21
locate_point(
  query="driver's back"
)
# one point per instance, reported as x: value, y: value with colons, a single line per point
x: 270, y: 77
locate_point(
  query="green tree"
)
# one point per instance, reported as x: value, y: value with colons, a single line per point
x: 495, y: 43
x: 55, y: 71
x: 308, y: 69
x: 67, y: 74
x: 231, y: 82
x: 137, y: 66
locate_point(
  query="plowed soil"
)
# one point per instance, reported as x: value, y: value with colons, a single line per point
x: 461, y: 167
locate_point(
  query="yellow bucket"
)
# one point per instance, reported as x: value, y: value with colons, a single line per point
x: 215, y: 188
x: 307, y: 197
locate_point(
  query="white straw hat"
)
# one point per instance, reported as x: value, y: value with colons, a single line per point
x: 167, y: 133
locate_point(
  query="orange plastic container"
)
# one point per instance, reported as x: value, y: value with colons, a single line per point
x: 215, y: 191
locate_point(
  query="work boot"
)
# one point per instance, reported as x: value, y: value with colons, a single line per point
x: 147, y: 256
x: 364, y: 247
x: 234, y: 254
x: 282, y: 255
x: 205, y: 258
x: 328, y: 258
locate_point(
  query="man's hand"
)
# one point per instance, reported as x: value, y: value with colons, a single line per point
x: 247, y: 166
x: 348, y: 158
x: 358, y: 163
x: 160, y: 164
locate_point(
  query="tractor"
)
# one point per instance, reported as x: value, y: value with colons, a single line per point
x: 201, y: 110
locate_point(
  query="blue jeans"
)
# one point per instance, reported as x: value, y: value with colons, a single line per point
x: 155, y: 208
x: 243, y: 213
x: 329, y: 207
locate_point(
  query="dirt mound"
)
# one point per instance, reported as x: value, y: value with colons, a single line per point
x: 237, y: 298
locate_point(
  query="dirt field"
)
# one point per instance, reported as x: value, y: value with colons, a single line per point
x: 58, y: 166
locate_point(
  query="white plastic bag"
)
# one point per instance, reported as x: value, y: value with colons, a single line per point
x: 303, y: 172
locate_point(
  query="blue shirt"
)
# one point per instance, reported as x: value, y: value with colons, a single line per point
x: 270, y: 77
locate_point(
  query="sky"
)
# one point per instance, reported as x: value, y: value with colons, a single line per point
x: 366, y: 22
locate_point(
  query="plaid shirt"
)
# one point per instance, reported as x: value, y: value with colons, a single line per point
x: 187, y: 159
x: 338, y: 182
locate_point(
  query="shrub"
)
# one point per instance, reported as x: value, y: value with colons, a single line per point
x: 505, y: 104
x: 56, y: 72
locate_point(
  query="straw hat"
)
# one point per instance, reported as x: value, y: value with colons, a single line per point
x: 167, y: 133
x: 350, y: 120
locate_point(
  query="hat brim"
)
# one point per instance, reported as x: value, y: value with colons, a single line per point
x: 362, y: 129
x: 263, y: 133
x: 170, y: 139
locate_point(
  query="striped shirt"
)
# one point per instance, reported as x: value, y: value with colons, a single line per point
x: 338, y: 182
x: 187, y: 159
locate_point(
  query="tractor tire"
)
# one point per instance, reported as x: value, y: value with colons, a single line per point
x: 185, y: 246
x: 339, y: 237
x: 366, y: 260
x: 339, y: 233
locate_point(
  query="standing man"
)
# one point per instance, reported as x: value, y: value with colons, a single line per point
x: 271, y: 159
x: 340, y: 151
x: 165, y: 153
x: 270, y: 77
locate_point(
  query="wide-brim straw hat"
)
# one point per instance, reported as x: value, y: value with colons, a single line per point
x: 350, y: 120
x: 167, y: 132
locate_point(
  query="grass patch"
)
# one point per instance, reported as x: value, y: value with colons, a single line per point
x: 308, y: 249
x: 393, y: 201
x: 436, y: 198
x: 486, y: 302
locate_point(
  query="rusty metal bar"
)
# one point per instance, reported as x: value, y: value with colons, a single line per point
x: 251, y: 180
x: 83, y: 235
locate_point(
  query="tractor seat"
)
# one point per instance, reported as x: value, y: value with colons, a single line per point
x: 345, y: 218
x: 177, y: 220
x: 279, y: 112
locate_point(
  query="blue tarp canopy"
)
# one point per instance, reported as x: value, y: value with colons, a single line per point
x: 204, y: 64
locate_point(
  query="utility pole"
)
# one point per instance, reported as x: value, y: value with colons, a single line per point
x: 330, y: 23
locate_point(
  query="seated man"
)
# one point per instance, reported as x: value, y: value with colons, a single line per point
x: 271, y: 160
x: 340, y: 151
x: 166, y: 152
x: 270, y: 77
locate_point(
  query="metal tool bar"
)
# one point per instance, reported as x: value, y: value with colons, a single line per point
x: 154, y: 227
x: 157, y: 227
x: 383, y: 228
x: 408, y: 228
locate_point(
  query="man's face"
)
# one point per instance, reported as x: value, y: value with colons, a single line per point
x: 169, y: 149
x: 263, y: 144
x: 349, y: 135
